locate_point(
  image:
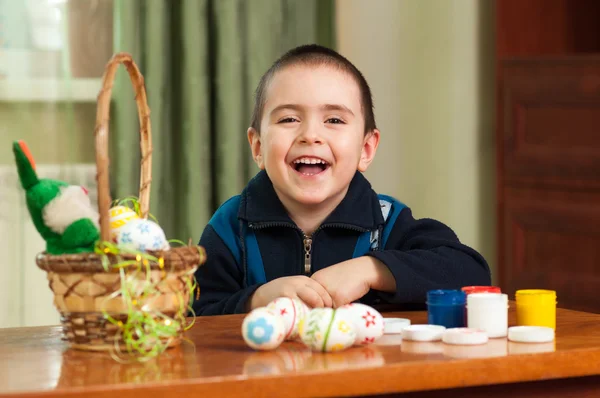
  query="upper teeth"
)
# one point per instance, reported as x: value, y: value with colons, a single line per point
x: 309, y: 161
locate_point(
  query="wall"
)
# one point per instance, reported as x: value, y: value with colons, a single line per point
x: 430, y: 66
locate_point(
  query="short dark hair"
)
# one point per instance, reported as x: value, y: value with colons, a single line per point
x: 314, y: 55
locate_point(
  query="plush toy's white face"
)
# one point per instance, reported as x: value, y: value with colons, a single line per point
x: 71, y: 205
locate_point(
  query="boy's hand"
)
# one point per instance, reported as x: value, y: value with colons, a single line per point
x: 302, y: 287
x: 349, y: 280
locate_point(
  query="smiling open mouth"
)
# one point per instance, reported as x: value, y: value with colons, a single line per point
x: 309, y: 166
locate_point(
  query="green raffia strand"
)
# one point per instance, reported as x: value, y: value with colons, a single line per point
x: 192, y: 285
x: 179, y: 242
x: 145, y: 334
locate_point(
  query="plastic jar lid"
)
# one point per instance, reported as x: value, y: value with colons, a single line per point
x: 394, y: 325
x: 446, y: 297
x: 481, y: 289
x: 535, y: 292
x: 530, y: 334
x: 465, y: 336
x: 535, y: 297
x: 486, y: 299
x: 423, y: 332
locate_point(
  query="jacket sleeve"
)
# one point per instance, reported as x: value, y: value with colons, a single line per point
x: 220, y: 279
x: 424, y: 255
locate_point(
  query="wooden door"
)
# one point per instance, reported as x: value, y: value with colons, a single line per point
x: 549, y: 177
x: 548, y: 148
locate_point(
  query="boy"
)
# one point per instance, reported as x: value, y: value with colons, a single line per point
x: 308, y: 225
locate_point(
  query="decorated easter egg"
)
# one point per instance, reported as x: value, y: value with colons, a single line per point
x: 118, y: 217
x: 263, y: 329
x: 368, y: 322
x: 142, y: 235
x: 326, y: 329
x: 292, y: 311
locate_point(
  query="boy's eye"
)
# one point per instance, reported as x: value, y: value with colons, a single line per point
x: 288, y: 120
x: 335, y: 120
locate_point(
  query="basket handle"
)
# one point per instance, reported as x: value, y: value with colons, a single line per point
x: 101, y: 136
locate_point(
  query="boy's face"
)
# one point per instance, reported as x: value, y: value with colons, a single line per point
x: 312, y: 137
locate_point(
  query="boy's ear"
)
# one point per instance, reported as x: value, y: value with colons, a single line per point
x: 255, y: 147
x: 370, y: 144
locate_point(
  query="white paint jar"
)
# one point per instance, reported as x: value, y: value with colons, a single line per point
x: 489, y: 312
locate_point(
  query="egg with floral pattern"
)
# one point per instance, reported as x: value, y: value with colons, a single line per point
x: 327, y: 329
x: 263, y: 329
x: 292, y: 311
x: 142, y: 235
x: 368, y: 322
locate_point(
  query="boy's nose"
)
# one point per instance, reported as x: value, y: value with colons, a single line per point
x: 310, y: 136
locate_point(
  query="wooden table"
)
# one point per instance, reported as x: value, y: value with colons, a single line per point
x: 215, y: 362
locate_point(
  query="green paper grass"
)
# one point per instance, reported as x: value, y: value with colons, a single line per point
x: 147, y: 332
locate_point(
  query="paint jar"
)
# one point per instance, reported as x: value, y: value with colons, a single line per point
x: 536, y: 307
x: 481, y: 289
x: 446, y: 308
x: 489, y: 312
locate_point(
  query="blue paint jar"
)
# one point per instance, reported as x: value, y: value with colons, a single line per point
x: 446, y: 308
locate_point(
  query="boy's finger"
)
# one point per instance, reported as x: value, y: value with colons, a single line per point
x: 325, y: 296
x: 310, y: 297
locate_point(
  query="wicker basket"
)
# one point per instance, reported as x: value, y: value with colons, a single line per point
x: 82, y: 287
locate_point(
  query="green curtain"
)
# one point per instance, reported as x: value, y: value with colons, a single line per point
x: 201, y: 60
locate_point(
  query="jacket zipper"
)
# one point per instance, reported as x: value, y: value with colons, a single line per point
x: 306, y: 239
x: 307, y: 254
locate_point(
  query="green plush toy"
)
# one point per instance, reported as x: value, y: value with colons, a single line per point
x: 62, y: 213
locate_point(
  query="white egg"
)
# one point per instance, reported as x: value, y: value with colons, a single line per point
x: 119, y: 216
x: 263, y: 329
x: 326, y: 329
x: 292, y: 311
x: 142, y: 235
x: 368, y: 322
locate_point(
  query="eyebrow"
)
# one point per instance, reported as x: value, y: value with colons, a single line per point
x: 326, y: 107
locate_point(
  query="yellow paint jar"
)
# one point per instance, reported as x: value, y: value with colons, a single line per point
x: 536, y: 307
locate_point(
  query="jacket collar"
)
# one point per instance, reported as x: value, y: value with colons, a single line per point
x: 360, y: 207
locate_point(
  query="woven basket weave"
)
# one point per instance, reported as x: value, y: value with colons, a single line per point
x: 82, y: 287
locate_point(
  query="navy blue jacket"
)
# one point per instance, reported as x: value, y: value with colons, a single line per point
x: 421, y: 254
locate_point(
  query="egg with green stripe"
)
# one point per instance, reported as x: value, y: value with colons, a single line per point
x: 327, y: 330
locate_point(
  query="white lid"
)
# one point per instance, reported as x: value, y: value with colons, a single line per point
x: 395, y: 325
x: 423, y: 332
x: 465, y: 336
x: 485, y: 298
x: 530, y: 334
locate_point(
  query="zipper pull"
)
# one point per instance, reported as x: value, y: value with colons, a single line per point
x: 307, y: 250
